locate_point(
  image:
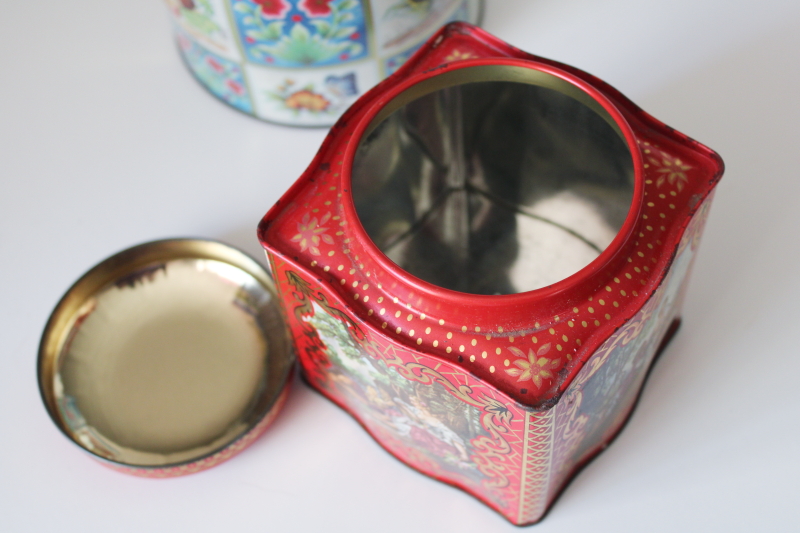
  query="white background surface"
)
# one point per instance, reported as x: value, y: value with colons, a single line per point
x: 106, y: 141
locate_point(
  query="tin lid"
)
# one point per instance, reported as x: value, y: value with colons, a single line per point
x: 166, y: 358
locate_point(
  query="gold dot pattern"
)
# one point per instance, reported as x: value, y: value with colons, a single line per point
x: 667, y: 193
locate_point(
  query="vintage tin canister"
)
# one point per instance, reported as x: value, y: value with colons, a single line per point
x: 482, y: 262
x: 167, y: 358
x: 303, y: 62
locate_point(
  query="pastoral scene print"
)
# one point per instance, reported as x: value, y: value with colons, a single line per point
x: 601, y: 396
x: 424, y: 417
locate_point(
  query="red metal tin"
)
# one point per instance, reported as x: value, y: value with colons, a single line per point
x: 504, y: 396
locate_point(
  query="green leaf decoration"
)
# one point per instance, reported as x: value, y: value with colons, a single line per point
x: 248, y: 20
x: 347, y: 17
x: 200, y: 21
x: 242, y: 7
x: 299, y: 32
x: 323, y: 28
x: 355, y: 49
x: 344, y: 5
x: 273, y: 31
x: 342, y: 33
x: 304, y: 49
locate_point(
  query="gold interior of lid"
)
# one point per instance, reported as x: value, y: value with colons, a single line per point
x: 165, y: 353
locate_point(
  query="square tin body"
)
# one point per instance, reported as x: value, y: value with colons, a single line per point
x: 446, y: 339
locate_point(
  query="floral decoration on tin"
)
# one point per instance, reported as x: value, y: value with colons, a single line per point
x: 670, y: 169
x: 304, y: 33
x: 534, y: 366
x: 198, y: 14
x: 315, y: 38
x: 221, y: 76
x: 311, y: 231
x: 335, y: 94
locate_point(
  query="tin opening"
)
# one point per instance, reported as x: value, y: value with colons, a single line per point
x: 493, y: 179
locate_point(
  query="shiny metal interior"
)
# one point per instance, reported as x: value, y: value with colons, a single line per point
x: 165, y: 353
x: 493, y: 180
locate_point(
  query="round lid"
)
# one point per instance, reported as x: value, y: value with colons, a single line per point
x: 166, y: 358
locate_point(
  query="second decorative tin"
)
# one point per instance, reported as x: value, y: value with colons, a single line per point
x: 303, y: 62
x: 483, y: 260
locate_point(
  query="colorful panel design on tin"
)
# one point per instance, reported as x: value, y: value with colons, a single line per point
x: 432, y: 416
x: 206, y: 21
x: 401, y: 24
x: 396, y: 61
x: 301, y: 33
x: 220, y: 76
x: 308, y: 97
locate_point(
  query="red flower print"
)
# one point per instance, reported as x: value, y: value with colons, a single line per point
x: 315, y: 8
x: 534, y: 366
x: 235, y: 87
x: 309, y: 234
x: 273, y: 9
x: 355, y: 36
x: 297, y: 18
x: 214, y: 64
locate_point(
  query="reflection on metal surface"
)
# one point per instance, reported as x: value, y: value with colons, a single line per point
x: 497, y: 181
x: 165, y: 353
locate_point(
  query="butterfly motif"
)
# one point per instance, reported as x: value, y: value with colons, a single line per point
x: 342, y: 86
